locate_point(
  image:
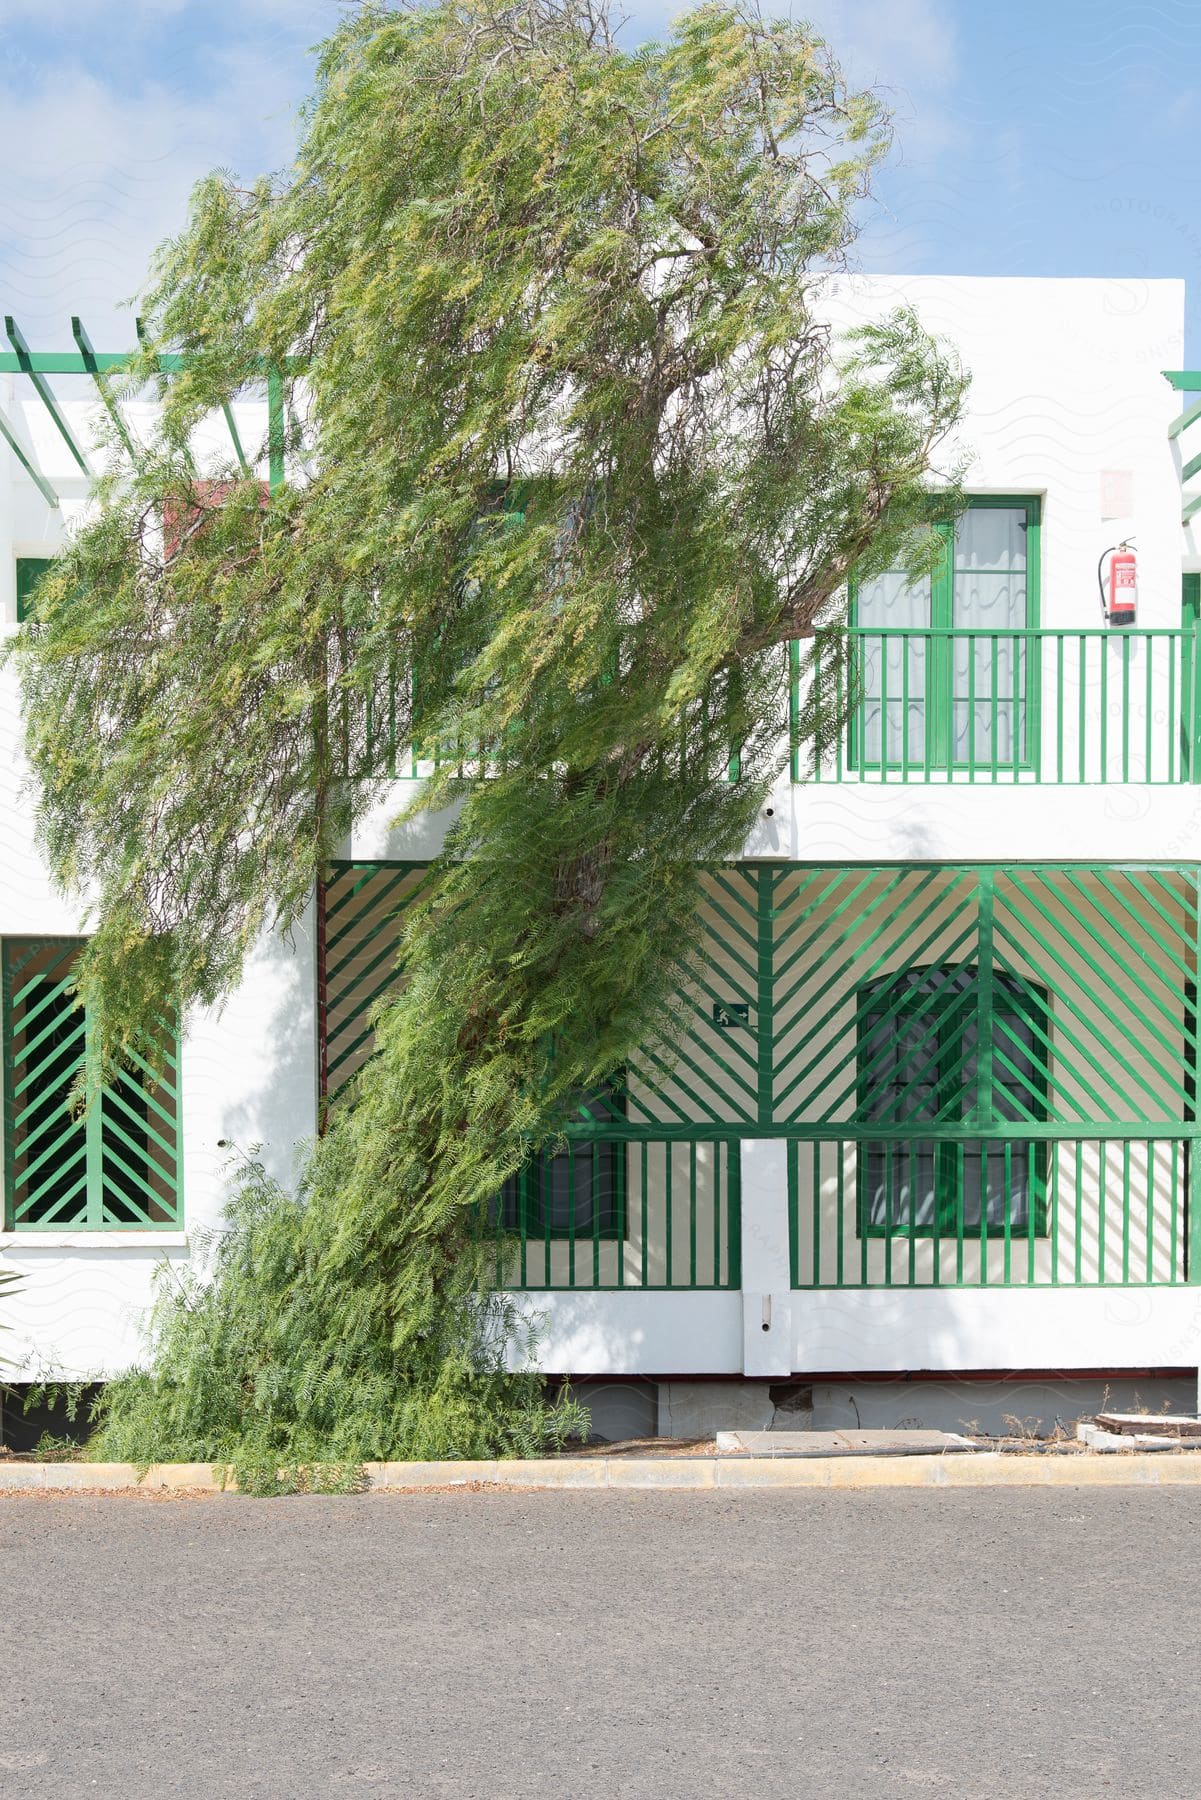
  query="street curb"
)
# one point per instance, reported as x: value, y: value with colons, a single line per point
x: 979, y: 1469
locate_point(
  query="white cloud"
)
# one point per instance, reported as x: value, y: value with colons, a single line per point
x: 126, y: 16
x: 907, y: 49
x: 105, y: 168
x: 105, y: 177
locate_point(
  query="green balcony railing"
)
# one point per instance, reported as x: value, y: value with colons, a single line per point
x: 623, y: 1211
x: 1076, y: 708
x: 1027, y: 1210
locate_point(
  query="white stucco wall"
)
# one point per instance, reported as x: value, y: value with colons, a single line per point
x: 965, y: 1330
x: 247, y: 1070
x: 1067, y: 389
x: 247, y: 1077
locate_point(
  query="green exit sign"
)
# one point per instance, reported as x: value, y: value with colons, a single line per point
x: 729, y: 1013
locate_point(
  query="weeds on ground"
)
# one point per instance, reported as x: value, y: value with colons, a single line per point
x: 291, y: 1369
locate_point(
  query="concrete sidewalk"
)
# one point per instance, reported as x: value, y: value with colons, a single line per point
x: 956, y: 1469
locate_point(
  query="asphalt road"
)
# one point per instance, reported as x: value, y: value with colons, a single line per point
x: 968, y: 1644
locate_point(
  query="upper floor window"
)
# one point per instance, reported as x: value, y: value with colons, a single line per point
x: 30, y: 570
x: 942, y: 674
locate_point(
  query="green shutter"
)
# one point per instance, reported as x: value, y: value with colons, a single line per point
x: 114, y: 1167
x: 30, y: 570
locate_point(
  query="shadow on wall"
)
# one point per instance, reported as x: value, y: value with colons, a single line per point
x: 599, y: 1338
x: 22, y: 1431
x: 1041, y: 1406
x: 266, y: 1079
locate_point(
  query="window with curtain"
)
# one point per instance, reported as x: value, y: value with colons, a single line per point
x: 943, y: 676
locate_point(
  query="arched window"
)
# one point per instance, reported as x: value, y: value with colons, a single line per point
x: 920, y: 1035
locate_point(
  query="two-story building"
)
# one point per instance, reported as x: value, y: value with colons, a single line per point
x: 931, y: 1149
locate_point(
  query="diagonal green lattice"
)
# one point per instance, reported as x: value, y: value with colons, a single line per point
x: 364, y: 906
x: 1069, y: 989
x: 116, y: 1166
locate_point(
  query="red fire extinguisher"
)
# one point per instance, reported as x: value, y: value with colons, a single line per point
x: 1118, y: 584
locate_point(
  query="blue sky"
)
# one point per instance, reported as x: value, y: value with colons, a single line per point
x: 1052, y: 138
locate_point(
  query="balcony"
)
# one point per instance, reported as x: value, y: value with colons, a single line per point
x: 1071, y: 708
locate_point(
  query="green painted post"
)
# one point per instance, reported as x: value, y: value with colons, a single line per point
x: 1192, y: 1199
x: 734, y: 1208
x: 985, y: 903
x: 94, y: 1139
x: 275, y: 429
x: 1190, y: 606
x: 984, y: 1111
x: 794, y: 709
x: 971, y: 710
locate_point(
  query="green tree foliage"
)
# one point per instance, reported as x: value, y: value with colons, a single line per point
x: 573, y: 454
x: 259, y: 1361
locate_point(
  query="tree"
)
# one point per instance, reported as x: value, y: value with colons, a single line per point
x: 574, y: 452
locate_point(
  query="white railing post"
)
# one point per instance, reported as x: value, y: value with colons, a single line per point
x: 767, y: 1337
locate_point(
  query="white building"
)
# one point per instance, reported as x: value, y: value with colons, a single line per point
x: 937, y: 1119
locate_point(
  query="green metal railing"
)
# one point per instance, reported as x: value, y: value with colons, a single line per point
x: 619, y: 1210
x: 1076, y: 708
x: 373, y: 736
x: 375, y: 740
x: 899, y: 1210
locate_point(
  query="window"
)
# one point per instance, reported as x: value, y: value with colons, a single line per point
x: 943, y: 679
x: 919, y: 1064
x: 30, y: 570
x: 577, y: 1192
x: 115, y: 1166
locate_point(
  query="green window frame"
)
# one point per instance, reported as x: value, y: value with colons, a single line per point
x: 918, y: 1035
x: 114, y: 1167
x: 1190, y: 705
x: 30, y: 570
x: 963, y: 703
x: 577, y: 1191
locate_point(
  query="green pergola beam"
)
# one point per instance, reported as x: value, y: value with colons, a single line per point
x: 35, y: 475
x: 275, y: 429
x: 62, y: 362
x: 1191, y: 507
x: 87, y: 360
x: 89, y: 356
x: 237, y: 442
x: 1187, y: 381
x: 109, y: 362
x: 44, y: 392
x: 1187, y: 418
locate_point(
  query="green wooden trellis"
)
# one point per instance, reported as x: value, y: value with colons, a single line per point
x: 361, y: 922
x: 1099, y: 1061
x: 770, y: 994
x: 115, y: 1166
x: 36, y: 366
